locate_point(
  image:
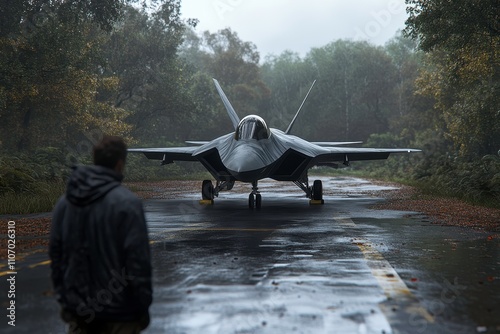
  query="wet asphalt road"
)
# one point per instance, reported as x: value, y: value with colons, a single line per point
x: 295, y: 268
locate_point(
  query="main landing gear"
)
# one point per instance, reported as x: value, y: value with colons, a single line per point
x: 209, y: 191
x: 314, y: 193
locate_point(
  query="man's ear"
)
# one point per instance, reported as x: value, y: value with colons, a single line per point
x: 120, y: 166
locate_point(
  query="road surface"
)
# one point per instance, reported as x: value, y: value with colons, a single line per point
x: 294, y: 268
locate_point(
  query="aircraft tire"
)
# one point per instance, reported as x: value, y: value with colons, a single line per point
x: 251, y: 201
x: 207, y: 190
x: 258, y: 201
x: 317, y: 190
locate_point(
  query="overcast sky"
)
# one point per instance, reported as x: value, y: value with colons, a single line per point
x: 278, y: 25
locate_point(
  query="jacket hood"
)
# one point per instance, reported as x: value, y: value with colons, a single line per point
x: 87, y: 184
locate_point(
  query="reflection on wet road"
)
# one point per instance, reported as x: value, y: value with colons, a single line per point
x: 338, y: 268
x: 295, y: 268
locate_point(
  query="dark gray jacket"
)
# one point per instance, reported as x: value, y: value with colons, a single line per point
x: 99, y: 247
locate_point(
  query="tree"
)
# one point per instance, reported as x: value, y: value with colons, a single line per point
x: 353, y: 96
x: 453, y: 25
x: 25, y: 17
x: 142, y: 53
x: 289, y: 77
x: 355, y: 82
x: 463, y: 38
x: 411, y: 112
x: 49, y: 77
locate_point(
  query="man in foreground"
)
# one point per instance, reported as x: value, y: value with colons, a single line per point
x: 99, y: 247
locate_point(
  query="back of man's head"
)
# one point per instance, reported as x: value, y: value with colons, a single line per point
x: 109, y: 151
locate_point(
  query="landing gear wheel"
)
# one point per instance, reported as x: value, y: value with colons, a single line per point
x: 317, y: 190
x: 254, y: 201
x: 251, y: 201
x: 317, y: 193
x: 207, y: 190
x: 258, y: 201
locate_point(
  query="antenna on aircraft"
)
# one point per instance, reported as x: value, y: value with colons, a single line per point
x: 298, y: 111
x: 230, y: 110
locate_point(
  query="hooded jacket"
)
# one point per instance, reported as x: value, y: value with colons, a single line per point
x: 99, y: 247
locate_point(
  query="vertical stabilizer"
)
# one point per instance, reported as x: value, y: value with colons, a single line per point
x: 230, y: 110
x: 298, y: 111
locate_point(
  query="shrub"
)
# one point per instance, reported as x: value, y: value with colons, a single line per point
x: 15, y: 175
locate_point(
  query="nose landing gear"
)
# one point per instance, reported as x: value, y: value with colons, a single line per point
x: 255, y: 198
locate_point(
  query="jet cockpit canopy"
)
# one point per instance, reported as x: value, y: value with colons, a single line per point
x: 252, y: 127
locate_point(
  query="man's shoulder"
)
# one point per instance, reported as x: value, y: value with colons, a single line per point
x: 121, y: 199
x: 123, y: 194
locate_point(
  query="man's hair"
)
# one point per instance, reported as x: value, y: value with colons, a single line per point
x: 109, y: 151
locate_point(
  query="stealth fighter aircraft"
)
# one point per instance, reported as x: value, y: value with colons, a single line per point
x: 254, y: 152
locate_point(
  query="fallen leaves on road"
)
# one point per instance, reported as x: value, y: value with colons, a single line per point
x: 168, y: 189
x: 444, y: 211
x: 30, y: 233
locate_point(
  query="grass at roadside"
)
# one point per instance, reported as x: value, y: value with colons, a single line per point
x: 42, y: 198
x: 426, y: 188
x: 44, y: 194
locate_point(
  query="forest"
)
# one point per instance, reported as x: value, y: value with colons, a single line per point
x: 74, y: 70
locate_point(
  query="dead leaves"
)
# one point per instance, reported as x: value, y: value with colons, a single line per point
x: 30, y: 233
x: 445, y: 211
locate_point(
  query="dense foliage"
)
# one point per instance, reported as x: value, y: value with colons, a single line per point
x: 461, y: 74
x: 71, y: 71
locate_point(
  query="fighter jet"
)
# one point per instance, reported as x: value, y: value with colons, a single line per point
x: 254, y: 152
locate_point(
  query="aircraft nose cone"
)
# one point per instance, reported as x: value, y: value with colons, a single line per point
x: 245, y: 158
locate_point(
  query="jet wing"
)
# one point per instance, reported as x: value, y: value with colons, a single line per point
x: 168, y: 154
x: 353, y: 154
x: 335, y: 143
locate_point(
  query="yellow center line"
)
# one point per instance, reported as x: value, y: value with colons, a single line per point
x: 388, y: 279
x: 43, y: 263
